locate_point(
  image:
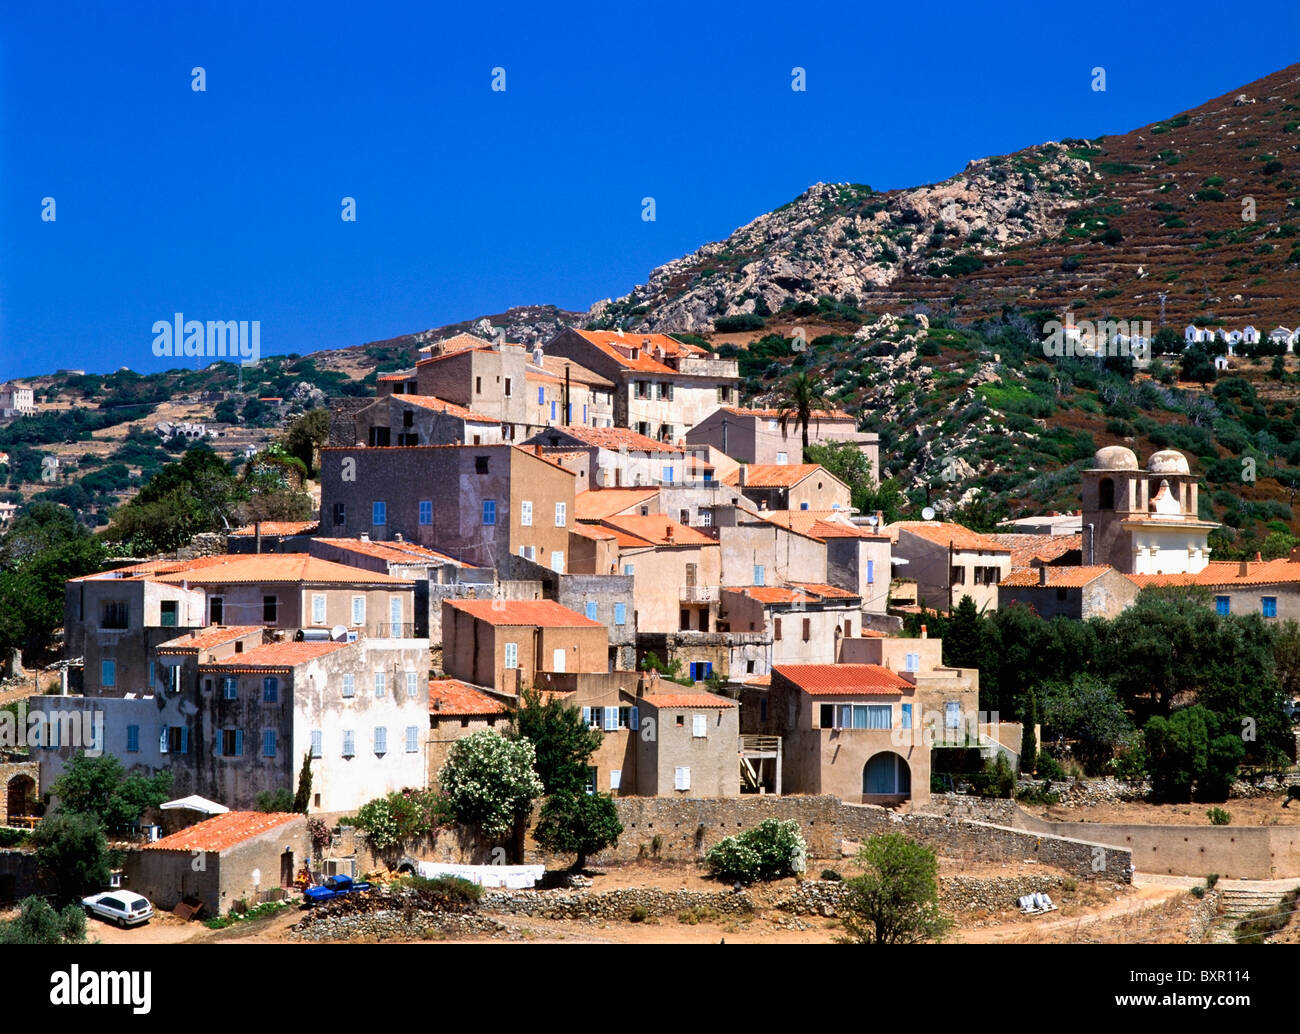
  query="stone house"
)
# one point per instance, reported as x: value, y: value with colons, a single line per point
x: 423, y: 420
x: 1270, y: 588
x: 611, y: 457
x: 510, y: 644
x: 799, y: 623
x: 272, y: 537
x: 695, y: 749
x: 16, y: 400
x: 609, y: 600
x: 1081, y: 593
x: 567, y: 393
x: 662, y: 387
x: 237, y: 856
x: 481, y: 504
x: 488, y: 379
x: 794, y: 486
x: 947, y: 561
x: 756, y: 436
x: 458, y: 709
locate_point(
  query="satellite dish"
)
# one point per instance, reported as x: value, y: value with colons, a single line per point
x: 338, y: 633
x: 928, y: 513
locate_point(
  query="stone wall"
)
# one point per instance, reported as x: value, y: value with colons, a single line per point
x: 956, y: 893
x: 687, y: 827
x: 11, y: 770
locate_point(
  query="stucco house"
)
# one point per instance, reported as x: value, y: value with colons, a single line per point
x: 948, y: 561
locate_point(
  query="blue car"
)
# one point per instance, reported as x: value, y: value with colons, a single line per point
x: 334, y: 887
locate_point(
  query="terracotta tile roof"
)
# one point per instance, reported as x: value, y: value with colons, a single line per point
x: 437, y: 405
x: 278, y: 656
x: 610, y: 438
x: 829, y: 415
x: 207, y: 638
x: 795, y: 593
x: 394, y: 552
x: 655, y: 529
x: 279, y: 528
x: 458, y: 343
x: 544, y: 613
x: 449, y: 355
x: 776, y: 475
x: 246, y: 568
x: 691, y: 700
x: 807, y: 522
x: 943, y: 532
x: 1225, y: 574
x: 1057, y: 577
x: 399, y: 376
x: 455, y: 699
x: 597, y: 503
x: 844, y: 679
x: 591, y: 531
x: 826, y: 592
x: 1027, y: 547
x: 612, y: 344
x: 223, y: 831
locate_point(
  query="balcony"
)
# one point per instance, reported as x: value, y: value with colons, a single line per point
x: 699, y: 594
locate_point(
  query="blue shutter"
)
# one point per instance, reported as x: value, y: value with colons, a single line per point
x: 871, y: 571
x: 239, y: 743
x: 620, y: 613
x: 586, y: 716
x: 216, y: 749
x: 591, y: 610
x: 708, y: 669
x: 634, y: 719
x: 552, y: 410
x: 185, y: 739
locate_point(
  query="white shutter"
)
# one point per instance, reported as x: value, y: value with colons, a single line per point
x: 162, y: 739
x: 412, y: 686
x: 560, y: 514
x: 615, y: 777
x: 682, y: 779
x: 699, y: 725
x: 558, y: 665
x: 611, y: 719
x: 526, y: 513
x: 586, y: 716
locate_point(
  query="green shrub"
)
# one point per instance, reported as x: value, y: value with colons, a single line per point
x: 1219, y: 817
x: 832, y: 874
x: 1048, y: 768
x: 1211, y: 880
x: 639, y: 914
x: 443, y: 893
x: 745, y: 321
x: 769, y: 851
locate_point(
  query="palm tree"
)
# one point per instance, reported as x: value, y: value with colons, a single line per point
x: 803, y: 399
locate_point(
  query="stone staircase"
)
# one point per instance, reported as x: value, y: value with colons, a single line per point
x: 1236, y: 902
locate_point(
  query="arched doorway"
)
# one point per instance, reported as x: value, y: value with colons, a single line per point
x: 1105, y: 494
x: 886, y: 775
x: 21, y: 796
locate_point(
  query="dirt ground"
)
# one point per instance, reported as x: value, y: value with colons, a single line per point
x: 1253, y: 811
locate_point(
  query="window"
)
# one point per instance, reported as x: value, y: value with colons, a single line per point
x: 629, y: 569
x: 395, y: 616
x: 412, y: 739
x: 699, y: 726
x: 349, y: 685
x: 807, y: 629
x: 620, y: 613
x: 230, y: 688
x: 528, y: 552
x: 270, y: 608
x: 591, y: 610
x: 952, y: 714
x: 216, y: 610
x: 478, y: 385
x: 381, y: 683
x: 358, y: 610
x: 526, y: 513
x: 231, y: 743
x: 912, y: 662
x: 979, y: 575
x: 113, y: 614
x: 557, y: 561
x: 379, y: 512
x: 871, y: 572
x: 776, y: 629
x: 668, y: 475
x: 848, y: 629
x: 1221, y: 605
x: 682, y: 779
x: 480, y: 464
x: 270, y: 690
x: 133, y: 739
x: 340, y: 514
x: 1061, y: 595
x: 552, y: 410
x: 907, y: 716
x: 317, y: 745
x: 381, y: 739
x: 349, y: 743
x: 706, y: 516
x: 268, y: 743
x: 701, y: 671
x: 760, y: 574
x: 878, y: 716
x: 318, y: 608
x: 541, y: 395
x: 167, y: 613
x: 782, y: 458
x: 108, y: 673
x: 412, y: 685
x: 489, y: 511
x: 615, y: 777
x: 1270, y: 606
x: 561, y: 514
x: 558, y: 661
x: 507, y: 391
x: 512, y: 655
x: 958, y: 576
x: 426, y: 511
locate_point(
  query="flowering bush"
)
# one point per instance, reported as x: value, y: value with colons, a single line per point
x: 772, y: 849
x: 320, y: 834
x: 401, y: 816
x: 490, y: 782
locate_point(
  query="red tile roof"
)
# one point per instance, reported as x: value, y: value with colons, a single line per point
x: 455, y: 699
x: 1057, y: 577
x: 279, y: 528
x: 844, y: 679
x: 655, y: 529
x: 613, y: 344
x: 688, y: 700
x: 437, y: 405
x: 797, y: 592
x: 1224, y: 574
x: 206, y: 638
x: 944, y: 532
x: 596, y: 503
x: 458, y: 343
x: 394, y: 552
x: 254, y: 568
x: 777, y: 475
x: 591, y: 531
x: 826, y: 592
x: 828, y: 415
x: 612, y: 439
x: 544, y: 613
x: 277, y: 656
x: 1026, y: 548
x: 223, y: 831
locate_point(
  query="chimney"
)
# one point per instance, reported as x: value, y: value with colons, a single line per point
x: 365, y: 536
x: 668, y: 532
x: 257, y: 536
x: 742, y: 475
x: 397, y: 537
x: 925, y: 632
x: 880, y: 519
x: 1258, y: 559
x: 1243, y: 569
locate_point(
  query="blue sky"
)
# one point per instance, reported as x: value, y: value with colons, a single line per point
x: 225, y: 204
